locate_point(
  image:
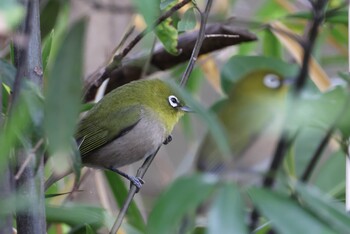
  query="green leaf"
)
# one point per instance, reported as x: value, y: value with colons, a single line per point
x: 168, y: 35
x: 89, y: 230
x: 46, y: 50
x: 188, y: 21
x: 238, y: 66
x: 17, y: 126
x: 120, y: 192
x: 207, y: 117
x: 167, y: 3
x: 184, y: 195
x: 285, y: 214
x: 149, y: 11
x: 324, y: 207
x: 11, y: 15
x: 64, y: 91
x: 271, y: 45
x: 7, y: 73
x: 76, y: 215
x: 335, y: 17
x: 227, y: 212
x: 335, y: 166
x: 49, y: 15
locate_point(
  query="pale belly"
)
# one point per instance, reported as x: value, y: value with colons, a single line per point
x: 140, y: 142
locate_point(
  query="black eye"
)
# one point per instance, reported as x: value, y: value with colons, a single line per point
x: 173, y: 101
x: 272, y: 81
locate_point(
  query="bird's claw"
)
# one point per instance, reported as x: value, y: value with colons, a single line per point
x: 137, y: 182
x: 168, y: 140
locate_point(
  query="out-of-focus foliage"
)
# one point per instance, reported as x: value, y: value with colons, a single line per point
x: 11, y: 15
x: 195, y: 203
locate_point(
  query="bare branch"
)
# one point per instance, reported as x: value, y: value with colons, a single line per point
x: 162, y: 60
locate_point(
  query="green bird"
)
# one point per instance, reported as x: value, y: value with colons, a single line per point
x: 252, y: 112
x: 127, y: 125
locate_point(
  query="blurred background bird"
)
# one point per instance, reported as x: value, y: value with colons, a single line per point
x: 251, y: 116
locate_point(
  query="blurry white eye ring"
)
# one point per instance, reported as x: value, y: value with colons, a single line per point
x: 173, y: 101
x: 272, y: 81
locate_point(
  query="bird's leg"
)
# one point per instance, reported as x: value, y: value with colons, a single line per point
x: 137, y: 181
x: 168, y: 140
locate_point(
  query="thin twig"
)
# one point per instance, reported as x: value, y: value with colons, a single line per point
x: 162, y: 60
x: 163, y: 17
x: 284, y: 141
x: 140, y: 173
x: 31, y: 155
x: 117, y: 58
x: 199, y: 42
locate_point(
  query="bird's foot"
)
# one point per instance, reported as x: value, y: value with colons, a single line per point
x: 137, y: 181
x: 168, y: 140
x: 134, y: 180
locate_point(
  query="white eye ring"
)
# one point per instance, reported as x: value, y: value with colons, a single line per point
x: 173, y: 101
x: 272, y: 81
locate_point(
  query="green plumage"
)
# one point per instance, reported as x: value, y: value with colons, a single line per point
x: 250, y: 108
x: 127, y: 125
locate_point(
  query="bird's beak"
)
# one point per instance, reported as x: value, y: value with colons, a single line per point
x: 289, y: 80
x: 186, y: 109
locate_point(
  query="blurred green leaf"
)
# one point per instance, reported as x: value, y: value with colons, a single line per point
x: 338, y: 34
x: 238, y: 66
x: 285, y: 214
x: 89, y: 230
x: 46, y: 50
x: 325, y: 208
x: 209, y: 118
x: 120, y: 192
x: 76, y: 215
x: 5, y: 95
x: 271, y: 45
x: 149, y: 11
x: 11, y: 15
x: 63, y: 94
x: 61, y: 30
x: 188, y: 21
x: 7, y: 73
x: 227, y: 212
x: 183, y: 195
x: 335, y: 17
x: 270, y: 10
x: 17, y: 126
x: 166, y: 3
x: 49, y: 15
x: 334, y: 166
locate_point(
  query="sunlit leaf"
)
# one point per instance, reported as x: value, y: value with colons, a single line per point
x: 168, y: 35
